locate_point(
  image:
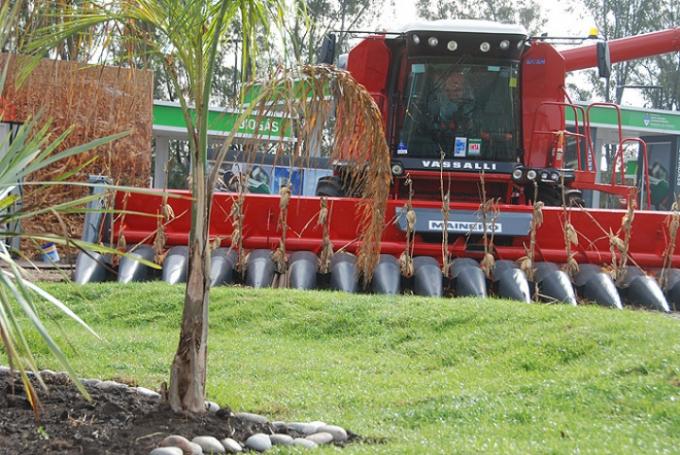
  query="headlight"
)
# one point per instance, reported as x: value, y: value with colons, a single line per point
x: 505, y: 44
x: 545, y: 176
x: 452, y: 45
x: 397, y: 169
x: 484, y: 47
x: 432, y: 41
x: 555, y: 176
x: 416, y: 39
x: 532, y: 174
x: 517, y: 174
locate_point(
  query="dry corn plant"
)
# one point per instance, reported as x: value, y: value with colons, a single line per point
x: 489, y: 212
x: 406, y: 258
x: 326, y: 244
x: 86, y: 102
x: 236, y: 216
x: 618, y: 246
x: 527, y: 262
x: 673, y: 223
x: 121, y: 244
x: 279, y: 255
x: 308, y: 99
x: 570, y: 234
x: 446, y: 207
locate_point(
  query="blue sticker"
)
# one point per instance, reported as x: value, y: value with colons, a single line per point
x: 401, y: 149
x: 460, y: 147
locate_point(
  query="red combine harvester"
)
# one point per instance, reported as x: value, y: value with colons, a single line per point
x: 473, y: 112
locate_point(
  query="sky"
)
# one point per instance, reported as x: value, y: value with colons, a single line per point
x: 560, y: 22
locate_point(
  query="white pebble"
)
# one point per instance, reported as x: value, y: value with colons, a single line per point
x: 209, y: 444
x: 320, y: 438
x: 195, y: 448
x: 211, y: 406
x: 188, y: 447
x: 279, y: 439
x: 110, y: 385
x: 259, y: 442
x: 167, y: 451
x: 148, y: 393
x: 231, y: 446
x: 305, y: 428
x: 255, y: 418
x: 339, y: 433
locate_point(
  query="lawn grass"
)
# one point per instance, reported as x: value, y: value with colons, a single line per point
x: 422, y: 375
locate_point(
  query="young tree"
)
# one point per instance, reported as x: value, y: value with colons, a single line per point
x: 185, y: 35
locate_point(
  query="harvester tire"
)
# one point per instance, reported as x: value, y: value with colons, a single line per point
x: 329, y: 186
x: 552, y: 196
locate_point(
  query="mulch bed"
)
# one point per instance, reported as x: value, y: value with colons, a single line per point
x: 117, y: 421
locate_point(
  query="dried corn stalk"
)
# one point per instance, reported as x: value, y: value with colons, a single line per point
x: 619, y: 246
x: 489, y: 211
x: 279, y: 256
x: 406, y: 258
x: 570, y: 235
x: 167, y: 214
x: 673, y: 224
x: 446, y: 202
x: 236, y: 216
x: 326, y: 245
x: 527, y: 262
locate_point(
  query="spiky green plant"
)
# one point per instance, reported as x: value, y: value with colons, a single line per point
x: 29, y: 150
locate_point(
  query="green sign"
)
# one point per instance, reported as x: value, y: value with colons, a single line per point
x: 168, y: 117
x: 643, y: 120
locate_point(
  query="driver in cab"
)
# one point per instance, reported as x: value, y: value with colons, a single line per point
x: 453, y: 104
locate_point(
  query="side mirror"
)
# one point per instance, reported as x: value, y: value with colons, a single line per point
x: 604, y: 64
x: 326, y: 52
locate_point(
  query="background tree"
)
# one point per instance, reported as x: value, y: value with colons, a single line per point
x: 34, y: 15
x: 618, y: 19
x: 525, y: 12
x: 663, y: 71
x: 313, y: 19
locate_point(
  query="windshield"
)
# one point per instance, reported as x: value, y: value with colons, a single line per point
x: 466, y: 111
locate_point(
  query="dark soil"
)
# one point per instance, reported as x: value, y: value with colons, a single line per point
x: 117, y: 421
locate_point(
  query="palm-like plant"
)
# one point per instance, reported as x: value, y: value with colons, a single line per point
x: 29, y: 150
x: 185, y: 36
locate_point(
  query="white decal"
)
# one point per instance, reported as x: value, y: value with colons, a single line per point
x: 466, y: 226
x: 458, y: 165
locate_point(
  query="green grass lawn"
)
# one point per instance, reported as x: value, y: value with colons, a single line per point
x: 423, y: 375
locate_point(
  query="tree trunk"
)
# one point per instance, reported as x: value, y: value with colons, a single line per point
x: 189, y: 367
x: 188, y: 373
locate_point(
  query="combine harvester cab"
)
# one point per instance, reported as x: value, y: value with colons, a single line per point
x: 483, y: 198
